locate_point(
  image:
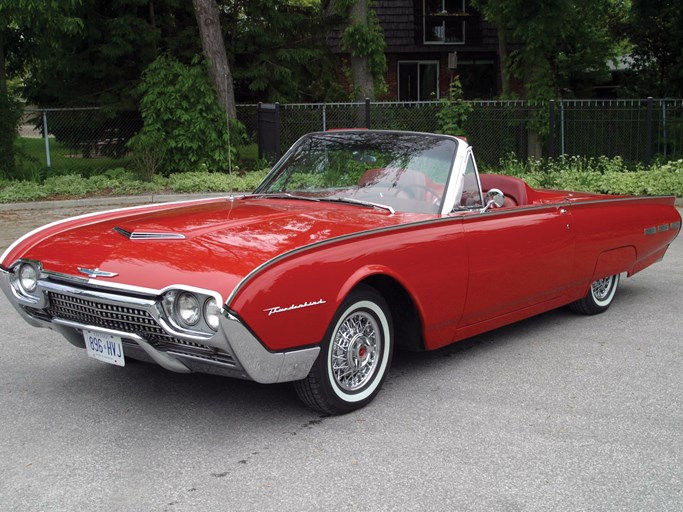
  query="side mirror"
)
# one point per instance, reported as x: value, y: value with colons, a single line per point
x: 494, y: 197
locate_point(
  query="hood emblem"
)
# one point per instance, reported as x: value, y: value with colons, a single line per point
x: 96, y: 272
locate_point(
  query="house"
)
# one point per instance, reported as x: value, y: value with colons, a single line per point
x: 428, y: 41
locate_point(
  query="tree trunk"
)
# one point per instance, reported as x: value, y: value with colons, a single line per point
x: 503, y: 59
x: 534, y: 147
x: 206, y: 12
x: 363, y: 82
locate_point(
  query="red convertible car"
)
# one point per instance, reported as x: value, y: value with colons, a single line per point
x: 356, y: 244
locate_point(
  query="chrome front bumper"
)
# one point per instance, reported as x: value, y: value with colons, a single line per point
x: 233, y: 351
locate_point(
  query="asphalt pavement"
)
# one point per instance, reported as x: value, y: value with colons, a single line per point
x: 559, y: 412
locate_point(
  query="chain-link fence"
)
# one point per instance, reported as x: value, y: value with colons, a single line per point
x: 89, y: 140
x: 80, y: 140
x: 636, y: 130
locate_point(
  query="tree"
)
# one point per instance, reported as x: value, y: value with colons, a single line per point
x: 655, y: 28
x: 27, y: 27
x: 362, y: 37
x: 279, y: 51
x: 557, y: 45
x: 101, y: 65
x: 560, y: 48
x: 211, y: 34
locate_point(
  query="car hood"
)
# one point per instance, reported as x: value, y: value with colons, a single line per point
x: 209, y: 244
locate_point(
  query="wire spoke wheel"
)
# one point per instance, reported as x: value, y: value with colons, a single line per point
x: 601, y: 287
x: 355, y: 349
x: 354, y: 357
x: 599, y: 297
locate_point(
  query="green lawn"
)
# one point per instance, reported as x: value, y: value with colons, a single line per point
x: 33, y: 161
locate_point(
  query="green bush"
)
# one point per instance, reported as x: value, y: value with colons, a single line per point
x: 599, y: 175
x: 17, y: 191
x: 603, y: 175
x: 452, y: 117
x: 184, y: 127
x: 214, y: 182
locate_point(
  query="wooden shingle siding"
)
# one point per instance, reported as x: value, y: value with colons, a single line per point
x: 401, y: 22
x: 397, y: 18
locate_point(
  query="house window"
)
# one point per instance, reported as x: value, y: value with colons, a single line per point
x: 418, y: 80
x: 444, y: 21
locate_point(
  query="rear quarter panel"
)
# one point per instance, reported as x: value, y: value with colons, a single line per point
x: 620, y: 235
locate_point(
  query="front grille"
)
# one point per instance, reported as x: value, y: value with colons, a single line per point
x: 120, y: 318
x: 131, y: 320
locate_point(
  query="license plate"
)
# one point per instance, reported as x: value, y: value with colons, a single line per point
x: 104, y: 347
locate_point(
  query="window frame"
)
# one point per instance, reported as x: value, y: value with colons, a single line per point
x: 444, y: 42
x: 418, y: 62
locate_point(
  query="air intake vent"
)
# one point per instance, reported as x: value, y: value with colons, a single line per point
x: 138, y: 235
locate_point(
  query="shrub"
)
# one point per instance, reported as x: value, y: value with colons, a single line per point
x: 214, y: 182
x: 22, y: 191
x: 184, y: 127
x: 454, y: 111
x: 599, y: 175
x: 67, y: 185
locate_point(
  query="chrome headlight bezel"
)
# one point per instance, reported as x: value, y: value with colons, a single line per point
x: 178, y: 303
x: 24, y: 278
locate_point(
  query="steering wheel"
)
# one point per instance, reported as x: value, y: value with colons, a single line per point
x: 413, y: 193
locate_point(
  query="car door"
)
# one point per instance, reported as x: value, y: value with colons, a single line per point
x: 518, y: 258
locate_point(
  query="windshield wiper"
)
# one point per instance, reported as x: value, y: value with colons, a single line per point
x: 359, y: 203
x: 280, y: 195
x: 348, y: 200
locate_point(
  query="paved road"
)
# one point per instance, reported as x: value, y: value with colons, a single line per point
x: 559, y: 412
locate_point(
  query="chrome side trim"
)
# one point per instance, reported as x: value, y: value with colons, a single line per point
x: 455, y: 218
x: 461, y: 216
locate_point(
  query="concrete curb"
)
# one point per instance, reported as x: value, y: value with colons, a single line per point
x: 108, y: 201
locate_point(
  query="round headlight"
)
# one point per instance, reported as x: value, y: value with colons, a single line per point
x: 28, y: 278
x: 212, y: 313
x: 187, y: 308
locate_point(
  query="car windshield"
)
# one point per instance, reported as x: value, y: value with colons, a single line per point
x: 407, y: 172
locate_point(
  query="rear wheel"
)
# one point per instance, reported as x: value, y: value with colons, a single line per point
x: 598, y: 298
x: 354, y: 358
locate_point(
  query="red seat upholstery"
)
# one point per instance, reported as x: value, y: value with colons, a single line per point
x: 515, y: 189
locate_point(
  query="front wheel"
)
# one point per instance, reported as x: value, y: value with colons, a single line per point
x: 599, y: 297
x: 354, y: 358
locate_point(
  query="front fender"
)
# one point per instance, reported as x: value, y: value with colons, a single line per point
x: 290, y: 302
